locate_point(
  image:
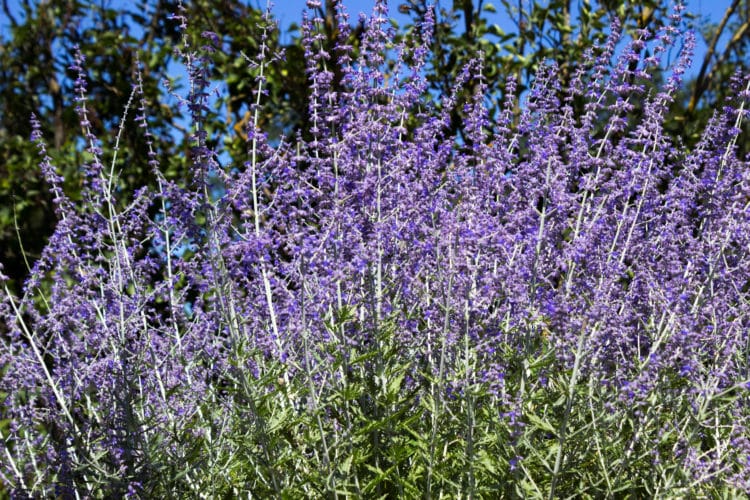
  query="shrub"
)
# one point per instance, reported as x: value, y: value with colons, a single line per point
x: 555, y: 304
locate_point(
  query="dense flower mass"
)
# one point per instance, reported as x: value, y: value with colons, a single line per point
x: 554, y: 302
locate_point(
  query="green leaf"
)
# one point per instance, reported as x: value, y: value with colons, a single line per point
x: 488, y: 464
x: 394, y: 384
x: 541, y: 424
x: 496, y: 30
x: 346, y: 465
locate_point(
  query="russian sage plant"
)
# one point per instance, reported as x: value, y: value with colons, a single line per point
x: 555, y: 303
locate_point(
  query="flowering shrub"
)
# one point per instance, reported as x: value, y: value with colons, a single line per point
x: 553, y: 304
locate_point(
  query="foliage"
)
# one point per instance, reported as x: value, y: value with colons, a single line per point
x: 36, y: 52
x: 119, y: 43
x: 383, y: 306
x: 563, y: 31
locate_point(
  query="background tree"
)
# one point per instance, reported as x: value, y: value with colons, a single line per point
x: 728, y: 41
x: 35, y: 55
x: 34, y: 78
x: 37, y: 50
x: 561, y: 31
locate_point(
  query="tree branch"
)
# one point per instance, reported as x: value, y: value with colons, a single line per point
x: 6, y: 9
x: 701, y: 82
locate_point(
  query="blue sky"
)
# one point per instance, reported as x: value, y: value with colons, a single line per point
x: 290, y: 11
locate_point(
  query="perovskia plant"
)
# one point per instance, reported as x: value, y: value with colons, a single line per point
x: 554, y: 304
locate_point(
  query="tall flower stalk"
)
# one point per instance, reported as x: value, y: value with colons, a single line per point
x: 553, y: 304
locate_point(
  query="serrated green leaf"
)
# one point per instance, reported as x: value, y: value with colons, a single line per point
x: 394, y: 384
x: 487, y: 463
x: 540, y: 423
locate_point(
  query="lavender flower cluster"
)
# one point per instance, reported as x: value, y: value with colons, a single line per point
x: 568, y: 250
